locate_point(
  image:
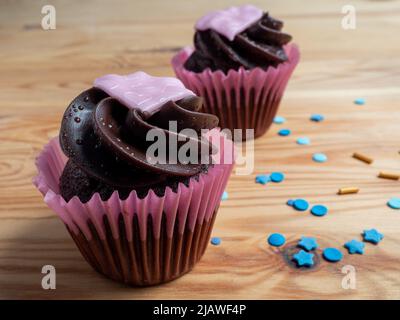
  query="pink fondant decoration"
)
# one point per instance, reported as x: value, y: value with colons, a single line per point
x: 191, y: 204
x: 142, y: 91
x: 231, y: 21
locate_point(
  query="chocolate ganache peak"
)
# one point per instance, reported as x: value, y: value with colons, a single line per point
x: 105, y: 139
x: 238, y: 37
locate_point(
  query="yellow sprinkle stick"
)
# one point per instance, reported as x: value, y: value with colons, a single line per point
x: 388, y: 175
x: 348, y: 190
x: 362, y: 157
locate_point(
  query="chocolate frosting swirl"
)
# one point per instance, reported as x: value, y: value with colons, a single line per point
x: 105, y: 142
x: 260, y: 45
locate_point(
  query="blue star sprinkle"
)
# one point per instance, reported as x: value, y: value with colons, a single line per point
x: 319, y: 157
x: 304, y: 259
x: 279, y: 120
x: 319, y: 210
x: 276, y: 240
x: 215, y: 241
x: 394, y: 203
x: 359, y: 101
x: 355, y: 246
x: 308, y: 243
x: 332, y: 254
x: 317, y: 117
x: 284, y: 132
x: 290, y: 202
x: 373, y: 236
x: 303, y: 141
x: 224, y: 196
x: 300, y: 204
x: 277, y: 176
x: 262, y: 179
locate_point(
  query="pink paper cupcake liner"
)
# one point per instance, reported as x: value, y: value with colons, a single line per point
x: 242, y: 99
x: 138, y: 241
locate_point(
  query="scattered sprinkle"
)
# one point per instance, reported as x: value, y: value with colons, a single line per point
x: 355, y: 246
x: 389, y: 175
x: 277, y: 177
x: 332, y: 254
x: 284, y: 132
x: 304, y: 259
x: 279, y: 120
x: 290, y: 202
x: 224, y: 196
x: 348, y: 190
x: 216, y: 241
x: 319, y: 157
x: 359, y: 101
x: 300, y: 204
x: 319, y: 210
x: 394, y: 203
x: 308, y: 243
x: 317, y: 117
x: 262, y: 179
x: 373, y: 236
x: 362, y: 157
x: 276, y: 239
x: 303, y: 141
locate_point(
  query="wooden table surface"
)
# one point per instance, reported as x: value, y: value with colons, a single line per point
x: 41, y: 71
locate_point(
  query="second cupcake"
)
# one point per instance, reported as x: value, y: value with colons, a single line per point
x: 241, y: 64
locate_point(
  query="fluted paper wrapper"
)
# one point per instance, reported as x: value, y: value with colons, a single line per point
x: 242, y: 99
x: 139, y: 241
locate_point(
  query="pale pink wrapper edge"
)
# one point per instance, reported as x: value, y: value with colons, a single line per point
x: 190, y: 204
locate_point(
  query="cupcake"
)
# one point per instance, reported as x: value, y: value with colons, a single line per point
x: 134, y: 219
x: 240, y: 64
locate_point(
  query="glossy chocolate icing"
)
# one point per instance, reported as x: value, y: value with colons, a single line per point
x: 260, y: 45
x: 105, y: 142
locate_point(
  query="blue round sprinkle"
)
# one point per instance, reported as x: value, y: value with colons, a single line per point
x: 215, y: 241
x: 279, y: 120
x: 224, y: 196
x: 359, y: 101
x: 317, y: 117
x: 277, y: 176
x: 394, y: 203
x: 276, y: 239
x: 332, y: 255
x: 284, y: 132
x: 300, y: 204
x: 319, y: 210
x: 319, y: 157
x: 303, y: 141
x: 290, y: 202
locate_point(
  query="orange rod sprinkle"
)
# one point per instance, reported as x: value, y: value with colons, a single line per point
x: 389, y: 175
x: 362, y: 157
x: 348, y: 190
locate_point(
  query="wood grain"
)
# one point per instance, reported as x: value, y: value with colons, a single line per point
x: 41, y: 71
